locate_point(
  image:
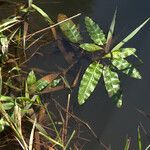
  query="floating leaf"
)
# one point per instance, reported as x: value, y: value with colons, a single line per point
x: 90, y: 47
x: 42, y: 83
x: 95, y: 32
x: 55, y: 82
x: 39, y: 10
x: 126, y: 67
x: 89, y: 81
x: 131, y: 35
x: 121, y: 53
x: 111, y: 80
x: 69, y: 29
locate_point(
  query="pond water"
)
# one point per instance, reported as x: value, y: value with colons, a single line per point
x: 111, y: 124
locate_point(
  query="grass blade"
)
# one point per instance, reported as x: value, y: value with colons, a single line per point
x: 112, y: 27
x: 40, y: 11
x: 131, y: 35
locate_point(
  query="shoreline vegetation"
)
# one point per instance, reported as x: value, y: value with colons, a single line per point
x: 25, y: 119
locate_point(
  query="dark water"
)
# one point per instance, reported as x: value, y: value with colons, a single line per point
x: 112, y: 125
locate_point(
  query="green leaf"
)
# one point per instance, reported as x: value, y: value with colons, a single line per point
x: 121, y: 53
x: 126, y: 67
x: 3, y: 123
x: 69, y: 29
x: 90, y: 47
x: 127, y: 145
x: 111, y: 80
x: 55, y: 82
x: 1, y: 81
x: 112, y: 27
x: 139, y: 139
x: 31, y: 79
x: 40, y: 11
x: 40, y: 85
x: 131, y: 35
x: 8, y: 106
x: 89, y: 81
x: 95, y: 32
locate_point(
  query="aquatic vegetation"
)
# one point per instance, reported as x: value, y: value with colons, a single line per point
x: 21, y: 91
x: 108, y: 62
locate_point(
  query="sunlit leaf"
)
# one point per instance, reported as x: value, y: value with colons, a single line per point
x: 69, y: 29
x: 90, y: 47
x: 139, y: 140
x: 121, y: 53
x: 31, y: 79
x: 126, y: 67
x: 40, y: 11
x: 55, y: 82
x: 127, y: 145
x: 89, y: 81
x: 131, y: 35
x: 9, y: 22
x: 111, y: 80
x: 95, y: 32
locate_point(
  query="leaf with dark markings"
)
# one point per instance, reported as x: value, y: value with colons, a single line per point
x: 126, y: 67
x: 89, y: 81
x: 69, y: 29
x: 90, y: 47
x: 95, y: 32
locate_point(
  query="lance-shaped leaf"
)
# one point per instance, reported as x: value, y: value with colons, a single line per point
x: 121, y: 53
x: 126, y: 67
x: 95, y: 32
x: 111, y: 80
x: 131, y: 35
x: 89, y: 81
x: 69, y: 29
x: 47, y: 80
x: 90, y: 47
x: 112, y: 27
x: 40, y: 11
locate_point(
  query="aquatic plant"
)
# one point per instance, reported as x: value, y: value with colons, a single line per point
x: 108, y: 61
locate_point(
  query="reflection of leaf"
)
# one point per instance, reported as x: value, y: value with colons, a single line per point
x: 69, y: 29
x: 131, y: 35
x: 90, y: 47
x: 121, y: 53
x: 111, y: 80
x: 126, y: 67
x: 95, y: 32
x: 89, y: 81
